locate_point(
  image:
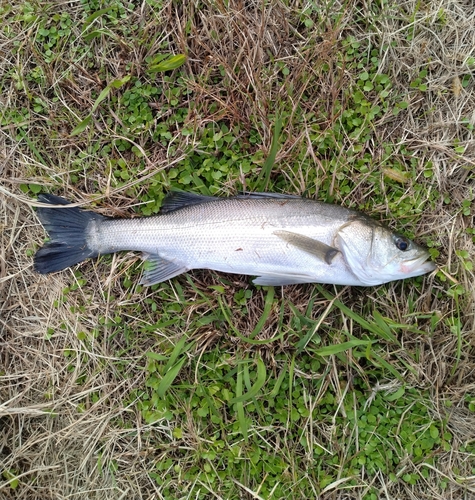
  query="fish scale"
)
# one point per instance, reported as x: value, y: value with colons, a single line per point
x: 241, y: 242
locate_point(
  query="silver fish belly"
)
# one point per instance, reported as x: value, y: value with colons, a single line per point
x: 281, y: 239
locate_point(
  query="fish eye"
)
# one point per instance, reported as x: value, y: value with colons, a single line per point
x: 402, y: 243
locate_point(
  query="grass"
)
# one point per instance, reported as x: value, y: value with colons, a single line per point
x: 207, y: 386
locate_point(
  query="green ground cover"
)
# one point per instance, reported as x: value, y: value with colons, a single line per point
x: 207, y: 386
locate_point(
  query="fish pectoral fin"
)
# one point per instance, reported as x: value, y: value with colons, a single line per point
x: 270, y: 279
x: 180, y: 199
x: 324, y: 252
x: 158, y: 269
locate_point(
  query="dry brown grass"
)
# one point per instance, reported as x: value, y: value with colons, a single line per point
x: 55, y: 432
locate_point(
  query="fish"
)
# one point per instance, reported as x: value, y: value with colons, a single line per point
x: 280, y: 239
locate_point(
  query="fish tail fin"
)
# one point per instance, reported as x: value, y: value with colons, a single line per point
x: 67, y: 229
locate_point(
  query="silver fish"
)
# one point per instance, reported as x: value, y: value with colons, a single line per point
x: 281, y: 239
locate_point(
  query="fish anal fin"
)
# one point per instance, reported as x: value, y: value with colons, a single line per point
x: 321, y: 250
x: 270, y: 279
x: 158, y: 269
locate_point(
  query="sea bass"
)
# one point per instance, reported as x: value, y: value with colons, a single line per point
x: 281, y: 239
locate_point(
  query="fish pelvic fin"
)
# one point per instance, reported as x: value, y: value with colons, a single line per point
x: 67, y: 229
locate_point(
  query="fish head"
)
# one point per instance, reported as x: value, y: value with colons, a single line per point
x: 376, y: 255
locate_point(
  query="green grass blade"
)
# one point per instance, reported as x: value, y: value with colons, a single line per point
x: 378, y: 360
x: 265, y: 314
x: 278, y: 383
x: 32, y: 146
x: 256, y: 387
x: 240, y: 407
x: 81, y: 126
x: 119, y: 82
x: 291, y: 379
x: 269, y: 163
x: 169, y: 64
x: 456, y: 329
x: 329, y: 350
x: 178, y: 349
x: 395, y: 395
x: 90, y: 19
x: 94, y: 34
x: 156, y: 357
x: 303, y: 342
x: 384, y: 327
x: 169, y: 377
x: 104, y: 93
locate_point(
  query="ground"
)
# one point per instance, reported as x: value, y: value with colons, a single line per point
x: 208, y: 386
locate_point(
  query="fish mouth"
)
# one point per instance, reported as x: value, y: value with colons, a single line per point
x: 419, y: 265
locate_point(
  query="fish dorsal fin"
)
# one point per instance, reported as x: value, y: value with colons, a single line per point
x: 275, y: 196
x: 324, y: 252
x: 158, y: 269
x: 180, y: 199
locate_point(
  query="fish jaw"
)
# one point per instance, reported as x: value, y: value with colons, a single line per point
x: 418, y: 266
